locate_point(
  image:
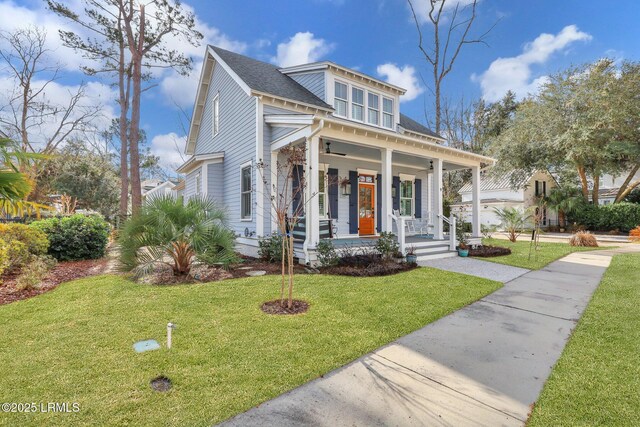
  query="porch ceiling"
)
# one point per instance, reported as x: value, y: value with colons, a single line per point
x: 364, y: 153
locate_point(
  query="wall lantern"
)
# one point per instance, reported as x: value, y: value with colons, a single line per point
x: 346, y: 189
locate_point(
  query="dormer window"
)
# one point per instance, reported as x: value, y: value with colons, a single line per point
x: 357, y: 104
x: 340, y: 99
x: 387, y: 112
x: 374, y: 109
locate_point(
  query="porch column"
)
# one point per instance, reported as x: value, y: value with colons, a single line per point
x: 437, y: 199
x: 273, y: 191
x: 387, y: 182
x: 312, y: 206
x: 475, y: 207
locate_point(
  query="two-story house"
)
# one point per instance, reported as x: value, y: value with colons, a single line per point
x: 500, y: 191
x: 353, y: 132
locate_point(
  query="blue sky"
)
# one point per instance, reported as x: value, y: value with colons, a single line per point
x: 378, y: 37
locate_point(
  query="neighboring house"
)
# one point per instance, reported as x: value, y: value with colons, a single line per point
x: 499, y: 191
x: 609, y: 187
x: 350, y: 123
x: 156, y: 187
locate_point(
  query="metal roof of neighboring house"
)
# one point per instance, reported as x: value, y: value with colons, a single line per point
x: 489, y: 182
x: 264, y: 77
x: 411, y: 125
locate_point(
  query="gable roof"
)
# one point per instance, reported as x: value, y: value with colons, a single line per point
x: 412, y: 126
x: 267, y: 78
x: 490, y: 182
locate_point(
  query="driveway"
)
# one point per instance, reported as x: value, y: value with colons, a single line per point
x: 483, y: 365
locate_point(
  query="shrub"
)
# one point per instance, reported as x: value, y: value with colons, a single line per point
x: 327, y: 254
x: 634, y: 235
x: 583, y: 238
x: 18, y: 254
x: 387, y: 245
x: 488, y: 230
x: 170, y: 232
x: 35, y: 240
x: 512, y: 221
x: 4, y: 256
x: 35, y: 272
x: 75, y: 237
x: 623, y: 216
x: 270, y: 248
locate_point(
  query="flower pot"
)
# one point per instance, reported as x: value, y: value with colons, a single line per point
x: 412, y: 259
x: 463, y: 252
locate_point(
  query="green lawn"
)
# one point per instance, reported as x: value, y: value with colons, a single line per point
x: 519, y: 257
x: 597, y: 379
x: 74, y: 344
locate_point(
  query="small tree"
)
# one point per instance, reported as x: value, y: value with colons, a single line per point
x: 563, y: 200
x: 288, y: 204
x: 512, y: 221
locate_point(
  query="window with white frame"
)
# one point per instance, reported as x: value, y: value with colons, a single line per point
x: 373, y: 108
x: 406, y: 198
x: 357, y: 104
x: 322, y: 193
x: 245, y: 192
x: 216, y: 115
x: 387, y: 112
x: 198, y: 183
x: 340, y: 99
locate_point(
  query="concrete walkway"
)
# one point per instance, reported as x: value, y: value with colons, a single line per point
x: 476, y: 267
x: 483, y: 365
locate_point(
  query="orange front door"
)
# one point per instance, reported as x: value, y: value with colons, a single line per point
x: 366, y: 214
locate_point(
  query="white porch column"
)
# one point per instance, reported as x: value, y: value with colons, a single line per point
x: 475, y: 207
x: 387, y: 182
x: 312, y: 206
x: 273, y: 191
x: 437, y: 199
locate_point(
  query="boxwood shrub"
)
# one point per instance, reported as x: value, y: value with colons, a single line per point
x: 622, y: 216
x: 75, y: 237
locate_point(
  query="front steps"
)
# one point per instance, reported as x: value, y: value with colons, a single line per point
x: 432, y: 249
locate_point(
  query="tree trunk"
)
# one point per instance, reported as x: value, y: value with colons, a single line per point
x: 134, y: 135
x: 124, y: 133
x: 284, y: 254
x: 584, y: 183
x: 438, y: 106
x: 595, y: 196
x: 627, y: 186
x: 562, y: 222
x: 290, y: 305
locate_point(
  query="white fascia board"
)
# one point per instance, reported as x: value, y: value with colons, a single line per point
x: 197, y: 160
x: 300, y: 134
x: 289, y: 119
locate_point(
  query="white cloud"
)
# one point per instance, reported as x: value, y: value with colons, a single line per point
x: 422, y: 8
x: 515, y: 73
x: 168, y: 147
x: 302, y: 48
x: 404, y: 77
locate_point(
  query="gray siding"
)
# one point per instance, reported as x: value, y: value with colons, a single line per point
x: 237, y: 139
x: 279, y: 132
x: 190, y: 184
x: 215, y: 182
x: 314, y: 82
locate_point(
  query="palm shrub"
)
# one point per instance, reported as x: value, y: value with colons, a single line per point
x: 563, y: 200
x: 168, y: 231
x: 512, y: 221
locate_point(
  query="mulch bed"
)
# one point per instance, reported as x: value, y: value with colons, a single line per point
x: 371, y: 270
x: 274, y: 307
x: 248, y: 263
x: 62, y: 272
x: 489, y: 251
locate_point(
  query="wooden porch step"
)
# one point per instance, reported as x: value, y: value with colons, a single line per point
x: 437, y: 255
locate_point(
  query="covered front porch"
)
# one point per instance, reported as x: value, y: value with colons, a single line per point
x: 362, y: 182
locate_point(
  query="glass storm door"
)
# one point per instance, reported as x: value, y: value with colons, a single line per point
x: 366, y: 214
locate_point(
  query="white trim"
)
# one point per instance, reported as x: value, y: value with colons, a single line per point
x: 243, y: 166
x: 230, y: 71
x: 297, y: 135
x: 406, y: 177
x: 362, y: 171
x: 345, y: 100
x: 205, y: 178
x: 288, y: 120
x: 375, y: 197
x: 260, y: 214
x: 194, y: 161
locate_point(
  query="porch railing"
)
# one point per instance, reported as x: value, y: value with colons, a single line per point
x: 451, y: 221
x: 400, y: 226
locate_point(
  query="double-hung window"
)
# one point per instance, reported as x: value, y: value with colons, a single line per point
x: 357, y: 104
x: 322, y: 193
x: 245, y: 192
x: 216, y: 115
x: 340, y: 99
x: 387, y: 112
x: 198, y: 183
x: 374, y: 109
x: 406, y: 198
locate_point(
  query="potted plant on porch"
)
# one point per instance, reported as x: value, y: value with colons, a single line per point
x: 463, y: 242
x: 411, y: 256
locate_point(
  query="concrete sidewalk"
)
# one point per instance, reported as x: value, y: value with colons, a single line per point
x: 483, y: 365
x: 476, y: 267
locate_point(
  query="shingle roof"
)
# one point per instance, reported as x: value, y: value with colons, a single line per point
x: 498, y: 182
x: 411, y: 125
x: 264, y: 77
